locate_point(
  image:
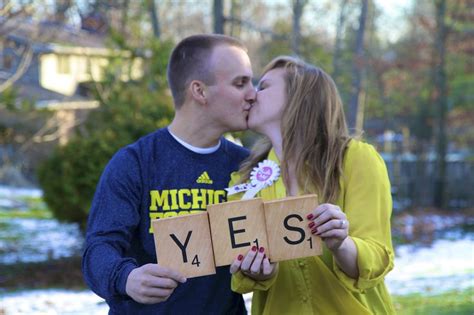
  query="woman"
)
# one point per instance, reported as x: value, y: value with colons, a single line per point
x: 299, y: 111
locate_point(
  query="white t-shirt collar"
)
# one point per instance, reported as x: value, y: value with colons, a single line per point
x: 196, y: 149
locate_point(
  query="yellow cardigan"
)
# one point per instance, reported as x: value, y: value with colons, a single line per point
x: 316, y: 285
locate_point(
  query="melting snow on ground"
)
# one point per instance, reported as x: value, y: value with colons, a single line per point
x: 447, y: 264
x: 38, y: 240
x: 53, y: 302
x: 444, y: 266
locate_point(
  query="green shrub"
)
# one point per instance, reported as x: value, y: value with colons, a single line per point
x: 128, y: 110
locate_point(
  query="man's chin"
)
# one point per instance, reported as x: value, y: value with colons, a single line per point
x: 241, y: 127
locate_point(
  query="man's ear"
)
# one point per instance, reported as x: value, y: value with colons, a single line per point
x: 199, y: 91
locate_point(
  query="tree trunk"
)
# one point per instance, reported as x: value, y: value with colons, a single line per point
x: 124, y: 19
x: 357, y: 65
x: 153, y: 9
x: 298, y: 6
x: 25, y: 62
x: 441, y: 104
x: 218, y: 10
x: 62, y: 6
x: 235, y: 14
x: 336, y: 61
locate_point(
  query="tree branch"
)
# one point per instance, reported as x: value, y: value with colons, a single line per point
x: 22, y: 67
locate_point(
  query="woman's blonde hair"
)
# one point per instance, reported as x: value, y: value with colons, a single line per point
x: 314, y: 130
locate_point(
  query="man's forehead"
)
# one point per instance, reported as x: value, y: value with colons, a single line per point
x: 231, y: 60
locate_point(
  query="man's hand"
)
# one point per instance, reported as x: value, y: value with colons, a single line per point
x: 152, y: 283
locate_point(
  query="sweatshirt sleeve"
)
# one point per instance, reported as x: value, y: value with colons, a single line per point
x: 113, y: 218
x: 367, y: 203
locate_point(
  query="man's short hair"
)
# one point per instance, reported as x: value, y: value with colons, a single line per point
x: 189, y: 61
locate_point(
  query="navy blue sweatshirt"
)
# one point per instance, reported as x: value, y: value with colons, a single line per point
x: 156, y: 177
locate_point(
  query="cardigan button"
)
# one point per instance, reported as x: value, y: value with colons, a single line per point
x: 302, y: 264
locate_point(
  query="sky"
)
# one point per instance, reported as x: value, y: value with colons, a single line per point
x: 391, y: 23
x: 394, y: 22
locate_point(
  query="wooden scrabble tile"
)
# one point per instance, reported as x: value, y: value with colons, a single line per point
x: 288, y: 233
x: 183, y: 243
x: 236, y: 226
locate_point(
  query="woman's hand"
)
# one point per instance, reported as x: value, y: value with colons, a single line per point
x: 330, y: 223
x: 254, y: 265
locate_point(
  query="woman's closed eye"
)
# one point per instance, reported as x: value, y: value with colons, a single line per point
x: 261, y: 87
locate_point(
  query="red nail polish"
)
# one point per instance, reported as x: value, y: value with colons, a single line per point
x: 311, y: 225
x: 240, y: 257
x: 261, y: 249
x: 314, y: 231
x: 309, y: 216
x: 254, y: 248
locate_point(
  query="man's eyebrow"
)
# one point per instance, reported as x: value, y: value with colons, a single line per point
x: 243, y: 78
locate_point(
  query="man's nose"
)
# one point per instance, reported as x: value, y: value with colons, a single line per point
x: 251, y: 94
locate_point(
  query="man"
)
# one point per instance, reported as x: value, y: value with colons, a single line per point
x: 174, y: 171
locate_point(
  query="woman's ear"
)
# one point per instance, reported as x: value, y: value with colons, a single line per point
x: 199, y: 91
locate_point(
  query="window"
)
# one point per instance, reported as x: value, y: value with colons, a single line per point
x: 63, y: 64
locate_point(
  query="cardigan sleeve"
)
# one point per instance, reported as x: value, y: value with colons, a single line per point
x: 241, y: 283
x: 366, y: 200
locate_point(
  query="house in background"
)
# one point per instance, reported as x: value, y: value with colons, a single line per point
x: 49, y: 62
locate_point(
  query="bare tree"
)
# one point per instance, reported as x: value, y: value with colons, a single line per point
x: 153, y: 8
x: 124, y: 17
x: 26, y: 53
x: 441, y: 102
x: 218, y: 10
x: 235, y: 14
x: 254, y: 27
x: 357, y: 65
x: 11, y: 20
x: 8, y: 24
x: 298, y: 9
x: 61, y: 8
x: 336, y: 61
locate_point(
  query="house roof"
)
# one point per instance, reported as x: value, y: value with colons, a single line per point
x: 46, y: 35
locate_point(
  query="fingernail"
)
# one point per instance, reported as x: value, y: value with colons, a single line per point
x: 311, y: 225
x: 254, y: 248
x: 240, y: 257
x: 309, y: 216
x: 261, y: 249
x: 314, y: 231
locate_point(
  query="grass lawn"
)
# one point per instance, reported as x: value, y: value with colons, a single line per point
x: 450, y: 303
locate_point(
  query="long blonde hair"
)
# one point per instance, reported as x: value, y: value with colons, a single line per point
x: 314, y: 130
